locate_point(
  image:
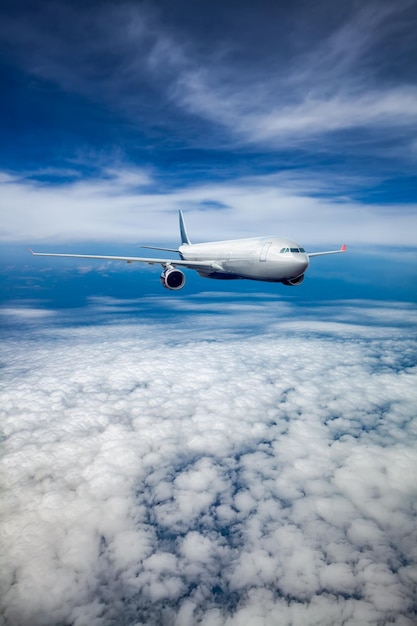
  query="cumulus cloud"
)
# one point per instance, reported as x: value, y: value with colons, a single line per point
x: 161, y: 474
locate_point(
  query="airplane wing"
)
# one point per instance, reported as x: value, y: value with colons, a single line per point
x: 194, y: 265
x: 342, y: 249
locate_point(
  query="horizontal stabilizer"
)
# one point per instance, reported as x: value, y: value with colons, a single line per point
x: 160, y: 248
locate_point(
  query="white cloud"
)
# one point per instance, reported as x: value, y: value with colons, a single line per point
x: 330, y: 84
x: 298, y: 94
x: 25, y: 312
x: 317, y: 81
x: 127, y: 208
x: 152, y: 476
x: 255, y: 119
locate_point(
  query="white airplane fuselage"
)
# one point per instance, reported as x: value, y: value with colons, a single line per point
x: 270, y: 259
x: 258, y: 258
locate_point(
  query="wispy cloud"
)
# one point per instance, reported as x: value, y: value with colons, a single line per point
x: 330, y: 90
x: 126, y: 204
x: 339, y: 77
x: 335, y: 85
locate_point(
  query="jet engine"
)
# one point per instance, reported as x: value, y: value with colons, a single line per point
x: 294, y: 282
x: 172, y: 278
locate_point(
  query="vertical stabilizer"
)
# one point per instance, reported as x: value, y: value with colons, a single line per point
x: 184, y: 236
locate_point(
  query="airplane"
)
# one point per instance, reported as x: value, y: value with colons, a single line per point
x: 269, y: 259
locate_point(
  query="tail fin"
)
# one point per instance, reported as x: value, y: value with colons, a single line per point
x: 183, y: 230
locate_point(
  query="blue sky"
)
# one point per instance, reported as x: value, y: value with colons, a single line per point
x: 295, y: 120
x: 231, y: 453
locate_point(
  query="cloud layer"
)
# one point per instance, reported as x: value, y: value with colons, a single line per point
x: 169, y: 475
x: 130, y: 205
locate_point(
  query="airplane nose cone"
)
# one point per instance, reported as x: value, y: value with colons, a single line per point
x: 301, y: 263
x: 304, y: 260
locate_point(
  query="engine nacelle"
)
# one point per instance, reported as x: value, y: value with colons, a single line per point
x: 294, y: 282
x: 172, y: 278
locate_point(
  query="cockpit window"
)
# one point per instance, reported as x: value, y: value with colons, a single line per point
x: 284, y: 250
x: 293, y: 250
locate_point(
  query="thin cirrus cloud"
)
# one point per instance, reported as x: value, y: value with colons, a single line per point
x: 190, y: 474
x: 327, y: 84
x: 295, y: 99
x: 330, y: 78
x: 332, y: 84
x: 112, y: 206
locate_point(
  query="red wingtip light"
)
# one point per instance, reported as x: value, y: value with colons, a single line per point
x: 343, y: 248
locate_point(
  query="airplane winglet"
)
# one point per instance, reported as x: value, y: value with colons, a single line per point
x: 31, y: 251
x: 343, y: 248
